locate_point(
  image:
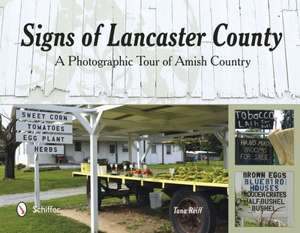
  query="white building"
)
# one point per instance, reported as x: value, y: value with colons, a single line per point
x: 112, y: 151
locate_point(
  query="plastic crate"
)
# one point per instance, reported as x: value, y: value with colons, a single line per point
x: 85, y: 168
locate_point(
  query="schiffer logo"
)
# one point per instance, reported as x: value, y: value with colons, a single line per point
x: 21, y: 209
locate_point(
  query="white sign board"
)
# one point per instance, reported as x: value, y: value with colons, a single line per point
x: 265, y: 198
x: 43, y: 116
x: 44, y: 138
x: 47, y: 149
x: 43, y: 127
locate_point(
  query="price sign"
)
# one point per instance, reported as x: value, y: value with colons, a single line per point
x: 254, y: 151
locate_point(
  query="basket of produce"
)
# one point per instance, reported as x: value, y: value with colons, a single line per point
x: 197, y: 174
x: 283, y: 144
x: 140, y: 173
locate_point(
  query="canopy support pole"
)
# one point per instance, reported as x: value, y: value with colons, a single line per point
x: 94, y: 177
x: 93, y: 129
x: 225, y: 150
x: 130, y: 148
x: 138, y: 154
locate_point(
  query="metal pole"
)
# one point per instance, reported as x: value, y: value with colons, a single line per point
x: 94, y: 178
x: 225, y: 150
x: 162, y: 153
x: 36, y: 181
x: 130, y: 148
x: 138, y: 154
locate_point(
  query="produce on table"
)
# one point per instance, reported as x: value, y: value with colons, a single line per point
x: 140, y: 173
x: 194, y: 173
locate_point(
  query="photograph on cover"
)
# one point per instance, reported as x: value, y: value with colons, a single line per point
x: 164, y: 165
x: 264, y: 137
x: 264, y: 199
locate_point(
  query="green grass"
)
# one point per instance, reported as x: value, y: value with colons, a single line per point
x: 73, y: 202
x: 46, y: 223
x: 48, y: 180
x: 51, y: 223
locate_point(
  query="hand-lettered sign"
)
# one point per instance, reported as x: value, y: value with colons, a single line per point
x: 266, y: 197
x: 253, y: 151
x: 46, y: 132
x: 254, y: 119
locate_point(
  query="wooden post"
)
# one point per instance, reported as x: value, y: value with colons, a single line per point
x: 94, y: 177
x: 37, y: 202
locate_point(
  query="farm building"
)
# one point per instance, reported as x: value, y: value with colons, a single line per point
x: 112, y: 151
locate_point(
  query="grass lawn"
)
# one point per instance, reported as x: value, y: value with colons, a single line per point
x: 46, y: 223
x: 48, y: 180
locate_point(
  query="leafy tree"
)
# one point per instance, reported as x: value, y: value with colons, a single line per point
x: 8, y: 138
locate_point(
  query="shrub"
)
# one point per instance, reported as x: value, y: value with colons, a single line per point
x: 20, y: 166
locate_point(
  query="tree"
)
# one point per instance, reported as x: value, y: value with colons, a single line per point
x: 207, y: 142
x: 288, y: 119
x: 8, y: 137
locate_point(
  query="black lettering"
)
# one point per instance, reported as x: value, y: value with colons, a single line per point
x: 29, y: 34
x: 216, y: 34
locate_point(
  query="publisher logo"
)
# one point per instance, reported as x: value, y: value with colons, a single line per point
x: 21, y: 209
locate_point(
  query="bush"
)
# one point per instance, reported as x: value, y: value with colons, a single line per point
x: 102, y: 162
x: 20, y: 166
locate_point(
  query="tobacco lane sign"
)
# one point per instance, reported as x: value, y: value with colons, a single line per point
x: 254, y: 119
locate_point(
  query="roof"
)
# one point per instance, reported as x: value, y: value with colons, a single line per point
x: 138, y: 120
x: 164, y: 122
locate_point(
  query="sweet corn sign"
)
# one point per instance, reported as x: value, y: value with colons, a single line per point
x: 44, y: 128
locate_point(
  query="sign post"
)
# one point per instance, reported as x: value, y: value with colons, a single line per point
x: 37, y: 202
x: 39, y: 129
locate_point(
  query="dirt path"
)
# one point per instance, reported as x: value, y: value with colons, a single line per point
x: 123, y: 219
x: 107, y: 221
